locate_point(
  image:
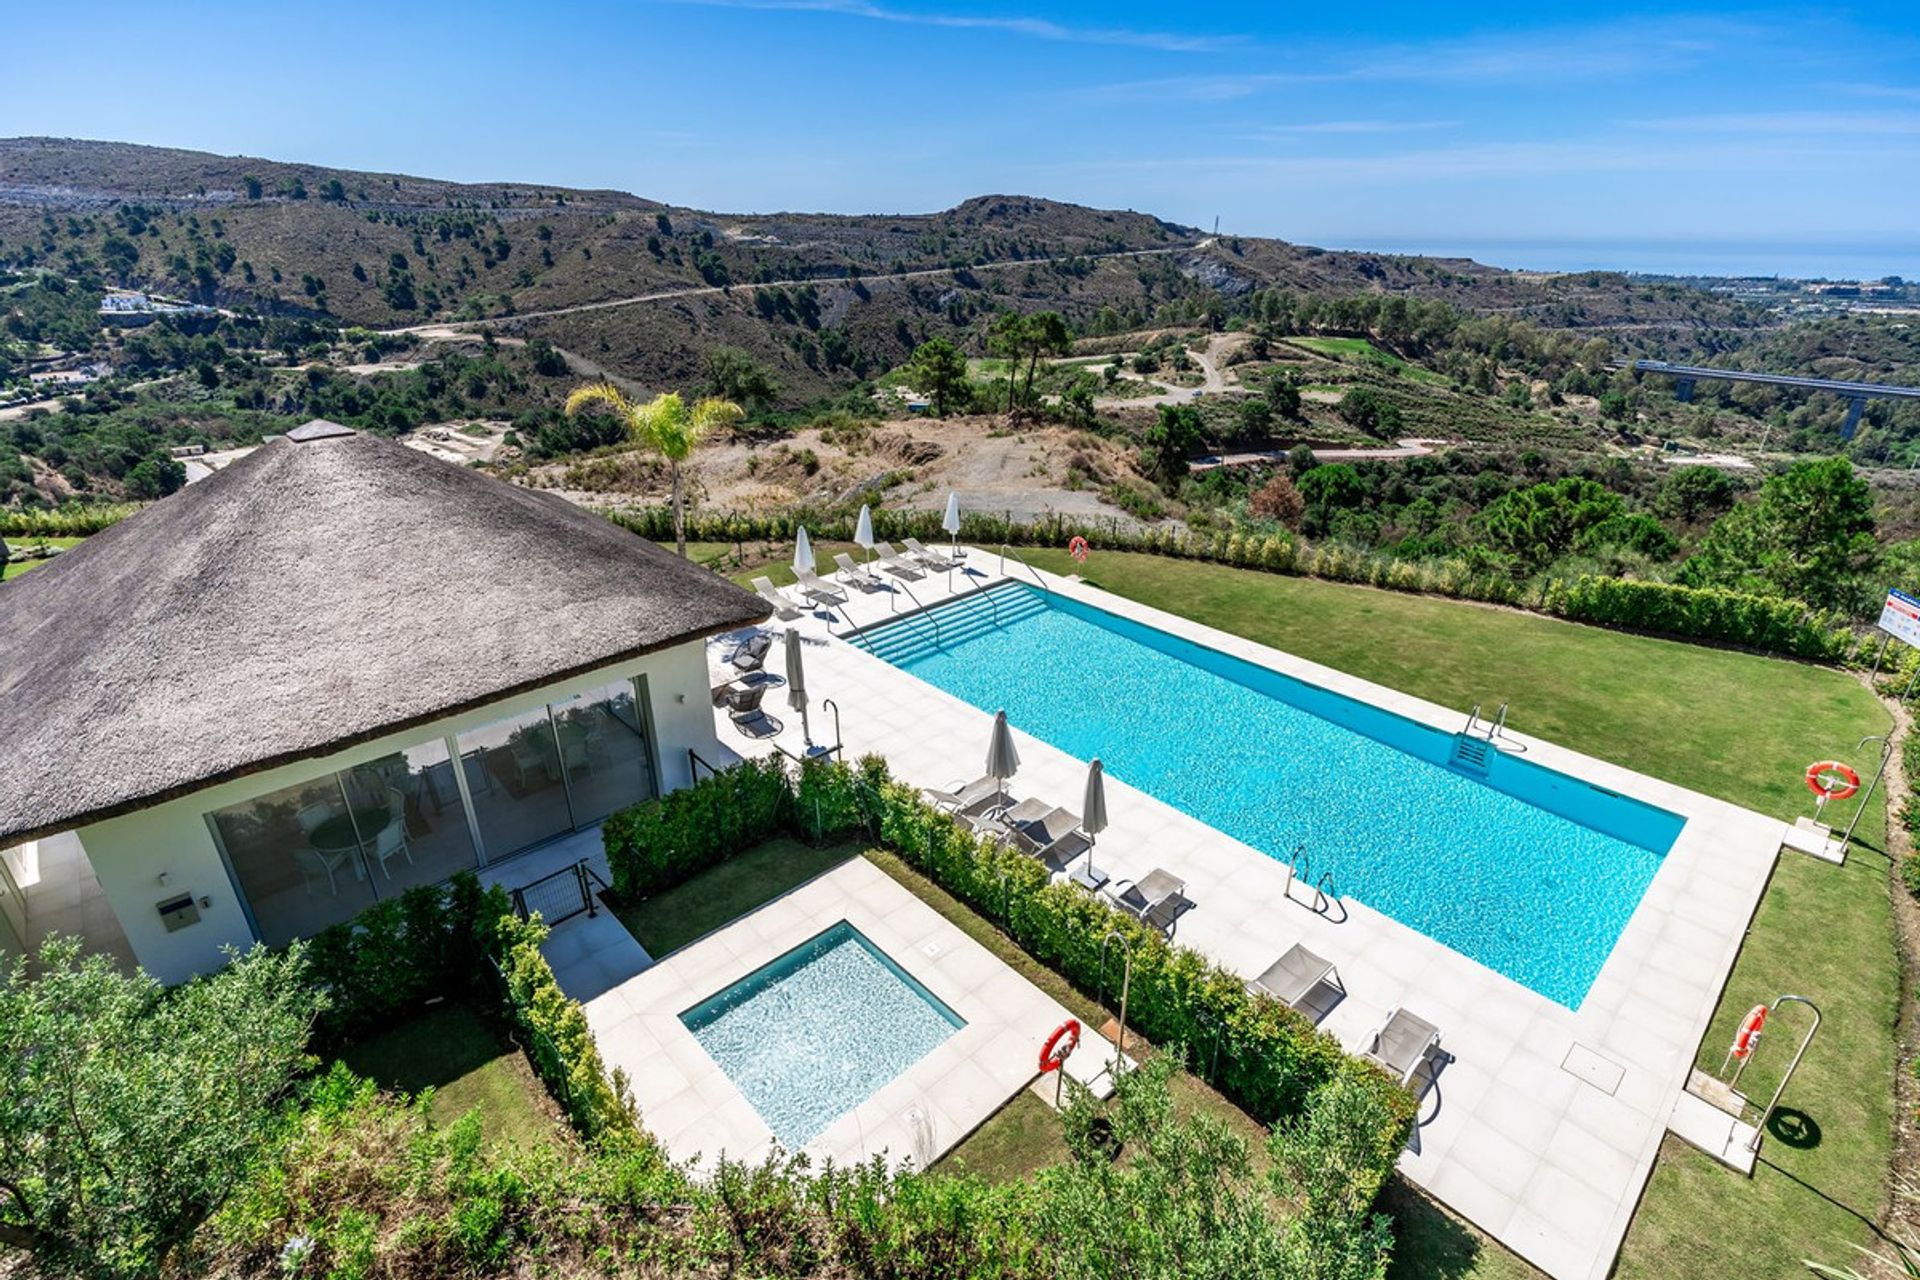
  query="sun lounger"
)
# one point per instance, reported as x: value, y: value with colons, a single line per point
x: 963, y: 797
x: 1155, y: 901
x: 784, y: 605
x: 751, y: 654
x: 930, y: 558
x: 855, y: 575
x: 1295, y: 975
x: 1046, y: 832
x: 1402, y: 1043
x: 819, y: 589
x: 896, y: 564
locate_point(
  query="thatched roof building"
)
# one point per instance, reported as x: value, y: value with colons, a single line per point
x: 331, y: 588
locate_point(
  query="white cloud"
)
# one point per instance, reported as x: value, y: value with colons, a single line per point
x: 1774, y: 124
x: 1351, y: 127
x: 1551, y: 56
x: 1035, y: 27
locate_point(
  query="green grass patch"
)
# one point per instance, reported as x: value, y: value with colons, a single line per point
x: 452, y: 1050
x: 1733, y: 725
x: 14, y: 568
x: 668, y: 921
x: 1361, y: 350
x: 1017, y: 1141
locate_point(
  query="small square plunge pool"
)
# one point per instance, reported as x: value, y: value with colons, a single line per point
x: 811, y: 1035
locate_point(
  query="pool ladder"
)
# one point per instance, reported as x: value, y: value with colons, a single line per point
x: 1473, y: 752
x: 1300, y: 867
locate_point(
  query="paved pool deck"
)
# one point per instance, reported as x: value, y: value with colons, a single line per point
x: 686, y: 1099
x: 1544, y: 1122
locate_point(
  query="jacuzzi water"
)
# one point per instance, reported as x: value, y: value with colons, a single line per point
x: 1525, y: 870
x: 813, y: 1034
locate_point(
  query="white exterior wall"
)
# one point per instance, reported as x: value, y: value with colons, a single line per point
x: 148, y: 857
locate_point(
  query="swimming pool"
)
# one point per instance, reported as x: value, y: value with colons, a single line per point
x: 813, y: 1034
x: 1528, y: 871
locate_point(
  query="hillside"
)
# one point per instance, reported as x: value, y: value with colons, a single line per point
x: 386, y: 250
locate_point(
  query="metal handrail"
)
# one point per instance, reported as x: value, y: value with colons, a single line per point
x: 1761, y: 1127
x: 1499, y: 722
x: 1321, y: 898
x: 1004, y: 548
x: 982, y: 587
x: 919, y: 611
x: 695, y: 763
x: 1126, y: 988
x: 838, y: 742
x: 1472, y: 716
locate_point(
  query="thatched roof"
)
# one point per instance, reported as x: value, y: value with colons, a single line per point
x: 328, y: 589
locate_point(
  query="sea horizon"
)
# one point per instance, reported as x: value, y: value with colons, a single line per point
x: 1785, y: 259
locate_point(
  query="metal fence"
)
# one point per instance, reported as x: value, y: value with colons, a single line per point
x: 563, y: 895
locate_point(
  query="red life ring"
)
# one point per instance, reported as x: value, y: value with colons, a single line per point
x: 1821, y: 780
x: 1750, y: 1028
x: 1069, y: 1031
x: 1077, y: 548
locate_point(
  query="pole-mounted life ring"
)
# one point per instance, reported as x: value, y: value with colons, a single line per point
x: 1750, y: 1028
x: 1077, y: 548
x: 1060, y: 1045
x: 1831, y: 780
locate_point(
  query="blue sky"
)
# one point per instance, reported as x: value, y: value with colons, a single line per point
x: 1521, y: 129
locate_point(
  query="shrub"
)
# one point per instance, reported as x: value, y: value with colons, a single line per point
x: 382, y: 965
x: 1910, y: 873
x: 130, y: 1110
x: 559, y: 1042
x: 656, y: 845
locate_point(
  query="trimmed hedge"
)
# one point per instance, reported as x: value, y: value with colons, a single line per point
x: 1767, y: 623
x: 1262, y: 1054
x: 656, y: 845
x: 440, y: 940
x: 381, y: 966
x: 559, y: 1042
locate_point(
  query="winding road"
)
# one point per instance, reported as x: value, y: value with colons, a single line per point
x: 439, y: 328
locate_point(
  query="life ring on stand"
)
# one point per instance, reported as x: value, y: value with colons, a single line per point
x: 1749, y: 1033
x: 1060, y: 1045
x: 1077, y: 548
x: 1831, y: 780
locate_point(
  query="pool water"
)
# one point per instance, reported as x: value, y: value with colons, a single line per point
x: 1525, y: 870
x: 813, y: 1034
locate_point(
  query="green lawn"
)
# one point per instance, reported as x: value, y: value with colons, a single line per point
x: 14, y: 568
x: 1733, y: 725
x: 668, y: 921
x: 453, y: 1051
x: 1359, y: 349
x: 1024, y: 1135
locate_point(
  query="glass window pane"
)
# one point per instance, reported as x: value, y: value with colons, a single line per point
x: 295, y: 853
x: 513, y: 771
x: 406, y: 811
x: 603, y: 746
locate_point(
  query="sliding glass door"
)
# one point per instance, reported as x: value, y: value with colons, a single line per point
x: 318, y: 853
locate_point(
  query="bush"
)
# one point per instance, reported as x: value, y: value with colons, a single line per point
x: 559, y: 1042
x: 130, y: 1110
x: 1910, y: 873
x: 380, y: 967
x: 656, y: 845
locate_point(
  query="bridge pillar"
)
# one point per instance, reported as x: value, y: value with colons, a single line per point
x: 1854, y: 405
x: 1683, y: 390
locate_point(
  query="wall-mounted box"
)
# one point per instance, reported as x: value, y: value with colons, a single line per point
x: 178, y: 913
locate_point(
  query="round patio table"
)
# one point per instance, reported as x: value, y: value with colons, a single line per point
x: 337, y: 832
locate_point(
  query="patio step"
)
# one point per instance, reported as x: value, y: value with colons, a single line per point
x: 947, y: 625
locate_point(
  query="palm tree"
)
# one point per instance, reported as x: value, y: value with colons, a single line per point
x: 664, y: 424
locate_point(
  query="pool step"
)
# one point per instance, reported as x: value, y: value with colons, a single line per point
x: 1472, y: 754
x: 947, y: 625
